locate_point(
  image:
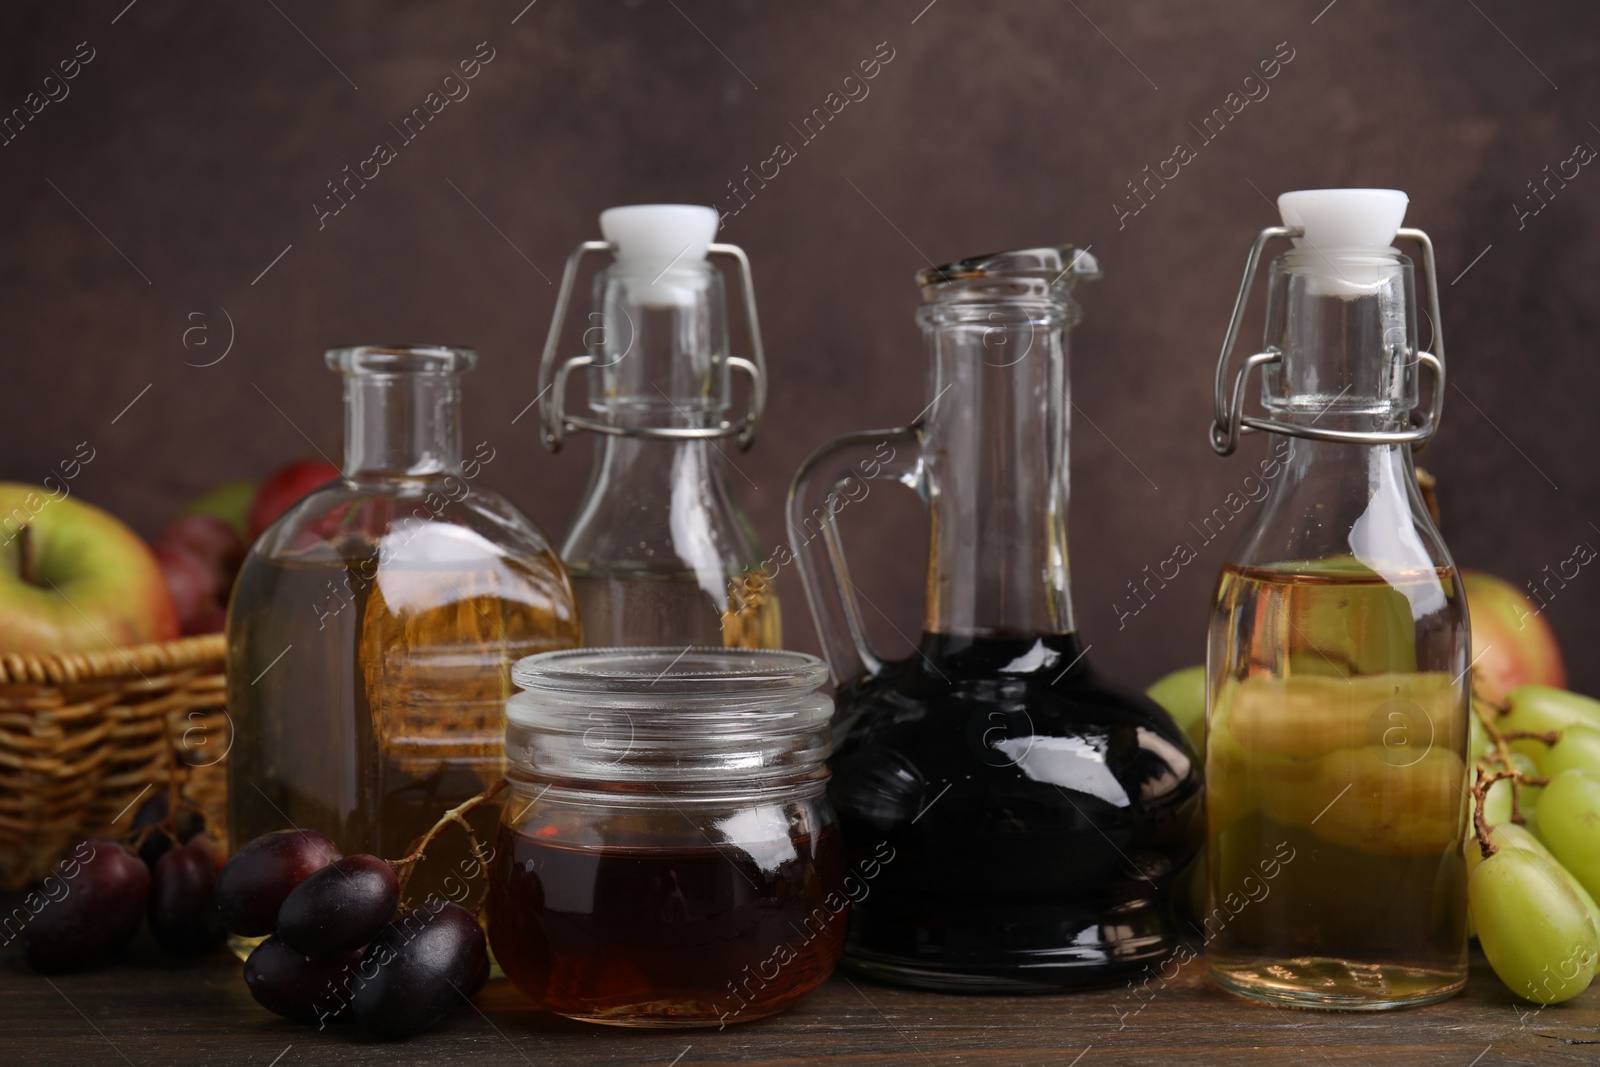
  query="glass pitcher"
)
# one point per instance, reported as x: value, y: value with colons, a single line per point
x: 660, y: 551
x: 373, y: 628
x: 1336, y: 752
x: 1035, y: 815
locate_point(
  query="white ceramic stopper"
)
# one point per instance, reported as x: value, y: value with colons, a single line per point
x: 655, y: 235
x: 1345, y: 218
x: 1344, y: 228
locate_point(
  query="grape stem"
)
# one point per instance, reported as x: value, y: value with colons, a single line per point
x: 407, y: 863
x: 1480, y: 792
x: 1548, y: 737
x: 213, y: 827
x: 1487, y: 712
x: 176, y: 802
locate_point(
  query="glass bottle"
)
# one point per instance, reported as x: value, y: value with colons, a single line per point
x: 1037, y: 815
x: 660, y: 551
x: 374, y: 625
x: 667, y: 855
x: 1336, y: 771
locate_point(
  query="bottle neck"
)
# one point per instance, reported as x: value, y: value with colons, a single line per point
x: 1344, y: 327
x: 995, y: 454
x: 647, y: 463
x: 658, y: 347
x: 401, y: 425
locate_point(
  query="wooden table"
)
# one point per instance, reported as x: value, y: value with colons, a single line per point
x: 146, y: 1009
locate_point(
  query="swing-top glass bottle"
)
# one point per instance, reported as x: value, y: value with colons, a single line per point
x: 659, y: 550
x: 1336, y: 773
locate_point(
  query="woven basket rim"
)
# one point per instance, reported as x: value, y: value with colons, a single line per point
x: 61, y: 668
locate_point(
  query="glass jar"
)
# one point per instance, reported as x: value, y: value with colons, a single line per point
x: 666, y: 855
x: 374, y: 625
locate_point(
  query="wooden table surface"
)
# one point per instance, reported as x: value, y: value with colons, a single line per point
x: 146, y: 1009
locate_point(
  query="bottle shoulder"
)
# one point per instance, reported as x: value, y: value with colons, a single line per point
x: 992, y: 732
x: 417, y: 520
x: 1076, y: 702
x: 692, y: 526
x: 1335, y: 503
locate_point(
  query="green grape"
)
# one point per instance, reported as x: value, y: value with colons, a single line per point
x: 1477, y: 738
x: 1569, y: 825
x: 1528, y: 795
x: 1579, y: 748
x: 1533, y: 928
x: 1182, y: 694
x: 1514, y: 836
x: 1497, y: 803
x: 1542, y: 708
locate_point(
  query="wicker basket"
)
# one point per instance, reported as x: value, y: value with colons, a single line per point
x: 83, y: 737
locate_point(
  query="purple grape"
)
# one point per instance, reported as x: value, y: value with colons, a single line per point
x: 89, y: 910
x: 183, y: 900
x: 305, y: 988
x: 476, y: 983
x: 341, y: 907
x: 153, y: 812
x: 421, y: 967
x: 255, y: 882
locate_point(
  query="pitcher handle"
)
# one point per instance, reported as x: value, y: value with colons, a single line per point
x: 842, y: 471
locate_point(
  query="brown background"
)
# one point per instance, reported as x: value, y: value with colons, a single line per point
x: 200, y: 135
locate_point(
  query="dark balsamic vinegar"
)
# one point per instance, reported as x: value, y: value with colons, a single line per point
x: 1036, y: 817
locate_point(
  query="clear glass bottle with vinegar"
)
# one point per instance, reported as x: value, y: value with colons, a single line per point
x: 1336, y: 765
x: 374, y: 626
x: 659, y: 550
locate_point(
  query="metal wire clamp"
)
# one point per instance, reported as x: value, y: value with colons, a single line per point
x: 553, y: 379
x: 1229, y: 419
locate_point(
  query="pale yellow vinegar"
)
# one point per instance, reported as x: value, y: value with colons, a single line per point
x: 649, y: 608
x: 1336, y: 782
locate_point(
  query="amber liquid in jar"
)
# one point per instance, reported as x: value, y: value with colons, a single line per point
x: 1336, y: 779
x: 686, y: 936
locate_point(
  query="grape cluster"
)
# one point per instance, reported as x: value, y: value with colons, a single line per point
x: 338, y: 946
x: 1535, y: 869
x: 92, y: 905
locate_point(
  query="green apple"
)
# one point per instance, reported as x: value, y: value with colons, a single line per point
x: 1183, y: 695
x: 74, y: 579
x: 229, y: 502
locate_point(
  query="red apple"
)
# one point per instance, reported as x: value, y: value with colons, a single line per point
x: 77, y: 580
x: 200, y: 555
x: 1512, y: 644
x: 213, y: 620
x: 284, y: 489
x: 211, y: 539
x: 192, y: 583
